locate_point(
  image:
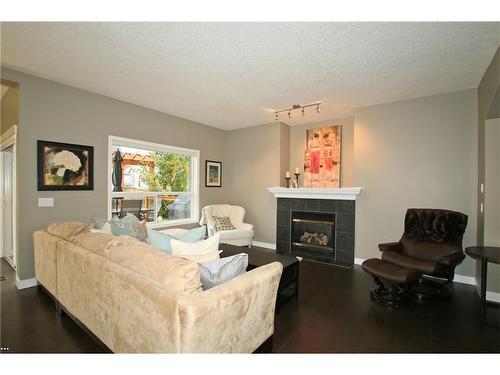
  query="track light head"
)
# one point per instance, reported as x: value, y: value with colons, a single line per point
x: 303, y: 111
x: 317, y: 109
x: 276, y: 117
x: 289, y: 115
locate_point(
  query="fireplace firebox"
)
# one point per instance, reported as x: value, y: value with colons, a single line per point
x: 313, y: 235
x: 333, y: 223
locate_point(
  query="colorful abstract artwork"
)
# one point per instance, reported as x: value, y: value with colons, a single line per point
x: 322, y: 159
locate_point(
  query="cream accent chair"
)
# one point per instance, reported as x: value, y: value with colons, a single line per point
x: 241, y: 236
x: 136, y: 299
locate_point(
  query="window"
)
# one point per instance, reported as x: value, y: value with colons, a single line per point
x: 154, y: 182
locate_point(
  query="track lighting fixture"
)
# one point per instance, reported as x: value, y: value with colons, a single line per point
x: 296, y: 106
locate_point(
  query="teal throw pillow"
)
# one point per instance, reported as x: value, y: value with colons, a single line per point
x: 160, y: 241
x: 193, y: 235
x: 129, y: 226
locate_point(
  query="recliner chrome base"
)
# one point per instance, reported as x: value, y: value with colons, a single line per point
x: 426, y: 288
x: 395, y: 295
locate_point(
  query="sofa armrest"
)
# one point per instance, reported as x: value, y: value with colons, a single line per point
x: 234, y: 317
x: 390, y: 246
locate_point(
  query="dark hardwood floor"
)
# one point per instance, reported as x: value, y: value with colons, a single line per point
x: 334, y: 314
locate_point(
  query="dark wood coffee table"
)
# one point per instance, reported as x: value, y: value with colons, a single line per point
x: 289, y: 283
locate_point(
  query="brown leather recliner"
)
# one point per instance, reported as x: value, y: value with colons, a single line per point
x: 431, y: 242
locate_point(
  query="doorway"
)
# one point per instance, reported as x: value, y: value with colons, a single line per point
x: 8, y: 230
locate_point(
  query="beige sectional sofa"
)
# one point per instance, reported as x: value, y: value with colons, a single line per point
x: 136, y: 299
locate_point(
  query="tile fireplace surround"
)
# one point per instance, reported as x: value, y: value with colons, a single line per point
x: 340, y: 202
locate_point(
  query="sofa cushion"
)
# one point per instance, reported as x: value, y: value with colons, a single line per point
x: 100, y: 243
x: 201, y: 251
x: 221, y: 270
x: 68, y: 229
x: 177, y: 274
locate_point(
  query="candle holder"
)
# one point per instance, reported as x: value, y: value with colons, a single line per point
x: 297, y: 179
x: 287, y: 181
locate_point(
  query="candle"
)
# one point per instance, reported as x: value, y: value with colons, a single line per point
x: 287, y: 174
x: 297, y: 170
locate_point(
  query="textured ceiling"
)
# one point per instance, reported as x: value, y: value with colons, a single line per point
x: 231, y: 75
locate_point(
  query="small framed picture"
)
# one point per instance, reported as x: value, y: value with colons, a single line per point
x: 64, y: 166
x: 213, y: 173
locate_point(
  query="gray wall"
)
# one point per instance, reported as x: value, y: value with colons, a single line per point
x: 414, y: 153
x: 492, y: 197
x: 298, y: 140
x: 253, y: 163
x: 487, y: 101
x: 55, y: 112
x: 284, y: 152
x: 419, y: 152
x: 486, y: 94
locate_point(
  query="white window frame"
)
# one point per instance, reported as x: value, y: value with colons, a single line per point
x: 8, y: 139
x: 194, y: 183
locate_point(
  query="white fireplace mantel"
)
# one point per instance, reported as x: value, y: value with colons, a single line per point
x: 345, y: 193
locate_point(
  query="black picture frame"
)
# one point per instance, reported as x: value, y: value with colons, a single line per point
x: 210, y: 179
x: 68, y: 177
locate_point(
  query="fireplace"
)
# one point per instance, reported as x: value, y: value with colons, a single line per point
x: 325, y: 220
x: 313, y: 235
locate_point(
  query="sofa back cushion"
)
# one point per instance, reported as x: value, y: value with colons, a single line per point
x: 177, y: 274
x: 68, y: 229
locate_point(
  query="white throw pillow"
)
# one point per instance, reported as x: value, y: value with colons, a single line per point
x: 174, y: 232
x: 201, y: 251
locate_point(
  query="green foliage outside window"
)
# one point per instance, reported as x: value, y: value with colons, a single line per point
x: 171, y: 172
x: 163, y: 211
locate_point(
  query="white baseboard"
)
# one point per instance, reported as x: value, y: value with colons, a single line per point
x: 494, y: 297
x: 464, y: 280
x: 358, y: 261
x: 27, y: 283
x: 265, y: 245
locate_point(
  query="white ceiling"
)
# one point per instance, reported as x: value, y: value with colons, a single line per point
x: 232, y: 75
